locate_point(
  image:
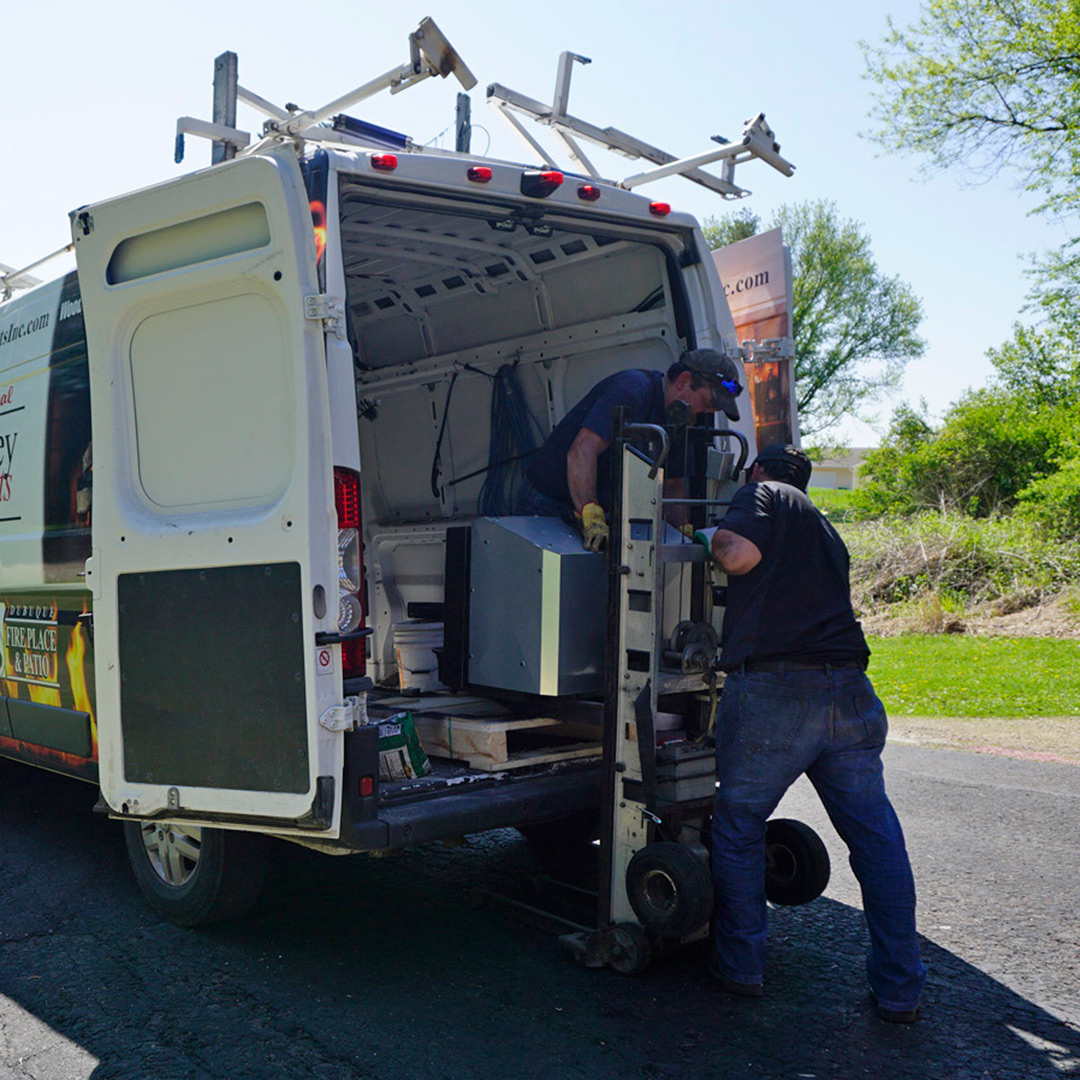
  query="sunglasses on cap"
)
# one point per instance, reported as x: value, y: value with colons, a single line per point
x: 730, y: 385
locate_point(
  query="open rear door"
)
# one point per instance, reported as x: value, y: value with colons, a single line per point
x: 213, y: 502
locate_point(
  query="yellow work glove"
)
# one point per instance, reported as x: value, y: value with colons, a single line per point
x: 594, y: 526
x: 687, y: 530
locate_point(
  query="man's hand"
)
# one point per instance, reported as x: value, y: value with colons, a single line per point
x: 594, y: 526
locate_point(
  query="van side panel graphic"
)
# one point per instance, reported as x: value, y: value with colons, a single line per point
x: 68, y: 448
x: 46, y: 640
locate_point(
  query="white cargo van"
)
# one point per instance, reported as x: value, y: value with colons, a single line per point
x: 233, y: 448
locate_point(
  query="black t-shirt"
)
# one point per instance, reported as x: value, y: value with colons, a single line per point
x: 642, y: 392
x: 796, y: 603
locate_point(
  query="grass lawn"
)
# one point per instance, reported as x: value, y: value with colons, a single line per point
x: 950, y: 675
x: 832, y: 502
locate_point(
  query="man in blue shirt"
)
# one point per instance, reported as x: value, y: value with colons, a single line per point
x: 797, y: 700
x: 562, y: 476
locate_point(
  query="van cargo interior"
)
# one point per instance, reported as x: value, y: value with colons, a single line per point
x: 442, y: 297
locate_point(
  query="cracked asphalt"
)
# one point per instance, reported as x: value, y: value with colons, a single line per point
x: 385, y: 968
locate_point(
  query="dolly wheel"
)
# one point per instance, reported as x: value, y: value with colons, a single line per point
x: 630, y: 951
x: 670, y: 889
x: 797, y: 864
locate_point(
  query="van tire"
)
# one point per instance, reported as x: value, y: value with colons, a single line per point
x: 192, y: 876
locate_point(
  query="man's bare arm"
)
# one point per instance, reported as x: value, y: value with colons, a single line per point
x: 581, y: 466
x: 678, y: 514
x: 735, y: 554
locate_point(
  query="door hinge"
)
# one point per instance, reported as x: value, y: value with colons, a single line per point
x: 348, y: 716
x: 329, y: 310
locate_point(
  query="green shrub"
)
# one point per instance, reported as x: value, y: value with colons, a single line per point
x: 1009, y: 562
x: 991, y: 446
x: 1053, y: 501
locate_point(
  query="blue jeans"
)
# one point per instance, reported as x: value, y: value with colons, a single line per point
x: 772, y: 728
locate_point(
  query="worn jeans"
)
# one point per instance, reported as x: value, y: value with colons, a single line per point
x: 772, y: 727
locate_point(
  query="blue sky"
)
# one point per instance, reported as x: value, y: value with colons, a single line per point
x: 92, y: 96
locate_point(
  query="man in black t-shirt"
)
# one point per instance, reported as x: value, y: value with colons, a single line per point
x: 797, y: 700
x: 562, y: 476
x: 797, y: 603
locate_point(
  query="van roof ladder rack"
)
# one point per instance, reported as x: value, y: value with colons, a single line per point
x: 12, y: 279
x: 757, y: 141
x: 430, y: 53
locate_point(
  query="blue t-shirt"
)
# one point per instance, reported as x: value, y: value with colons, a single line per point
x: 642, y: 392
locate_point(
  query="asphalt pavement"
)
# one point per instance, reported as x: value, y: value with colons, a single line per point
x: 387, y: 968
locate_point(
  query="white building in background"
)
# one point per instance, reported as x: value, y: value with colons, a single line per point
x: 840, y: 472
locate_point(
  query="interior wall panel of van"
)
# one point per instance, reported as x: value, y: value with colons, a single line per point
x: 439, y: 300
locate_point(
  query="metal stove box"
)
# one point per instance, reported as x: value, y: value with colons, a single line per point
x: 536, y: 608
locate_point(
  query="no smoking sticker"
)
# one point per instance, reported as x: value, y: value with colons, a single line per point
x: 324, y: 661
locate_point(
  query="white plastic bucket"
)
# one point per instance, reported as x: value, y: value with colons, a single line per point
x: 414, y: 647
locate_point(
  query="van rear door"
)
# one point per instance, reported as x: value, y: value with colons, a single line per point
x: 213, y: 513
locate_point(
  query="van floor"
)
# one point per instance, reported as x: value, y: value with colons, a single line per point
x: 476, y: 741
x: 446, y: 775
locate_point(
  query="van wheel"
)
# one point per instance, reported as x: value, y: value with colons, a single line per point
x: 194, y: 876
x: 797, y: 864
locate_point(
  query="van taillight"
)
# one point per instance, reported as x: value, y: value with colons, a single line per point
x: 347, y: 498
x: 350, y: 570
x: 354, y: 658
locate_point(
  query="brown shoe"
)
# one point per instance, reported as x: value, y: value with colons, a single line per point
x: 733, y: 986
x: 896, y: 1016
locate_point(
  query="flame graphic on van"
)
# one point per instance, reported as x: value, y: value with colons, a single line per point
x: 75, y: 657
x: 318, y: 219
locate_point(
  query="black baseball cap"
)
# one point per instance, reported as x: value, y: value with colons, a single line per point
x: 721, y: 373
x: 789, y: 460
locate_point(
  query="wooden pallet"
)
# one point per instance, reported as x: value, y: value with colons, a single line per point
x: 497, y: 745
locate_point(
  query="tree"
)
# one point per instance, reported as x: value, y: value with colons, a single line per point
x: 854, y: 328
x: 991, y: 446
x: 985, y: 84
x: 1041, y: 364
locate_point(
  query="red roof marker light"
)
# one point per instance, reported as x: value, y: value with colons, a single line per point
x: 588, y: 192
x: 384, y: 162
x: 659, y: 209
x: 479, y: 174
x: 540, y: 183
